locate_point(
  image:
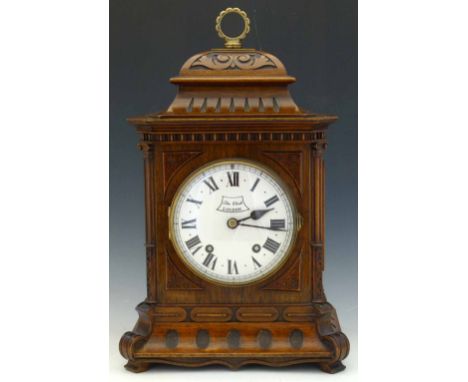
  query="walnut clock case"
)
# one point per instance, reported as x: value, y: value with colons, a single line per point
x: 234, y: 200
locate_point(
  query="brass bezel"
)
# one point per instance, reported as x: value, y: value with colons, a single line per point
x: 296, y: 221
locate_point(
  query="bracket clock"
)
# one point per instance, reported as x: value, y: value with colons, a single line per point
x: 234, y: 200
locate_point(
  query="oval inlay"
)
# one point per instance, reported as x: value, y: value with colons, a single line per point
x: 169, y: 314
x: 264, y: 338
x: 201, y: 314
x: 299, y: 313
x: 257, y: 314
x: 296, y: 338
x: 233, y: 339
x: 203, y: 339
x: 172, y: 339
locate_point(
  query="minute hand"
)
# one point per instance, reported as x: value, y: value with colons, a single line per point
x: 259, y: 226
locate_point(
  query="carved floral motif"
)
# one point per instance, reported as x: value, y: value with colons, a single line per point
x: 233, y: 61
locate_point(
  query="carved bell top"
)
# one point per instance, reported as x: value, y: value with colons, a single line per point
x: 229, y: 66
x: 233, y: 82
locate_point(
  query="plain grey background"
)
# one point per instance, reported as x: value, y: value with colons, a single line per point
x: 149, y: 42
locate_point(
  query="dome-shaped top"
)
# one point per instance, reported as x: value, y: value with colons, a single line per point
x: 233, y: 81
x: 233, y: 65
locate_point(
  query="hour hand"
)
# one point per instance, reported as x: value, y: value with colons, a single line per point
x: 255, y: 215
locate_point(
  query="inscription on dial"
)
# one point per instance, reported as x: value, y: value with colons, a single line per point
x: 233, y: 222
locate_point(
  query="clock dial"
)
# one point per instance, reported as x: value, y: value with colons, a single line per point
x: 233, y: 222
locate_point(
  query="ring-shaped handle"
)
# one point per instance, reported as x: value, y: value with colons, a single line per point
x: 232, y: 42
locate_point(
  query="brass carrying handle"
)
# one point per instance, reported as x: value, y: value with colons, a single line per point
x: 233, y: 42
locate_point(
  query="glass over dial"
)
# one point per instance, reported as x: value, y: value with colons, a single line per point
x: 233, y: 222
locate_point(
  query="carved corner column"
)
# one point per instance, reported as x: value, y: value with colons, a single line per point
x: 132, y: 341
x: 328, y: 326
x: 150, y: 219
x: 318, y: 220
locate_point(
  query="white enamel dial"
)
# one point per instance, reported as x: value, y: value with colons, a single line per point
x: 233, y: 222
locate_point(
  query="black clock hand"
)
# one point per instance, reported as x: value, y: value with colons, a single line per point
x: 259, y: 226
x: 255, y: 215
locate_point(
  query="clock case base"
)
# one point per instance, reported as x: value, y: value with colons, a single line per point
x: 286, y: 341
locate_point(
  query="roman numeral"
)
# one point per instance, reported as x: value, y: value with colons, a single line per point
x: 210, y: 259
x: 232, y: 266
x: 277, y: 223
x: 197, y: 249
x: 194, y: 201
x: 256, y: 263
x: 189, y: 223
x: 233, y: 178
x: 193, y: 242
x: 271, y: 245
x: 210, y: 182
x: 255, y: 184
x: 271, y: 201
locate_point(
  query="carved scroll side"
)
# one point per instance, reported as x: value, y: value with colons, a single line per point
x: 330, y: 333
x: 135, y: 339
